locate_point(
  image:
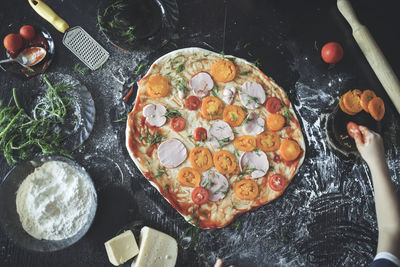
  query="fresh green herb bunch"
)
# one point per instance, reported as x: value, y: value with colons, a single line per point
x: 23, y: 135
x: 111, y: 21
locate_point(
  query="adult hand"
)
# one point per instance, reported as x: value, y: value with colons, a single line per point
x: 370, y: 146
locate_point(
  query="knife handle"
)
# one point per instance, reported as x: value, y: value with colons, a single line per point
x: 48, y: 14
x: 373, y: 53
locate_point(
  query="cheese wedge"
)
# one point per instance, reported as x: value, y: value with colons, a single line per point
x: 121, y: 248
x: 156, y: 249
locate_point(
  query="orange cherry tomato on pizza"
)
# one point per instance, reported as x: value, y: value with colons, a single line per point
x: 193, y: 103
x: 200, y: 134
x: 332, y: 52
x: 273, y: 104
x: 277, y: 182
x: 246, y: 189
x: 178, y: 123
x: 27, y: 32
x: 352, y: 129
x: 200, y: 195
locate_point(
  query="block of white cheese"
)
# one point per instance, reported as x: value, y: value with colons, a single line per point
x: 156, y: 249
x: 121, y: 248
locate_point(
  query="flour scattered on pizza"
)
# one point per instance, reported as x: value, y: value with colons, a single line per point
x: 214, y: 135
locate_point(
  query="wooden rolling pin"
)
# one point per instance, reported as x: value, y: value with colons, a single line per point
x: 372, y: 52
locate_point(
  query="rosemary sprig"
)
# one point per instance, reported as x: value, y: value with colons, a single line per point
x: 78, y: 68
x: 287, y: 114
x: 151, y: 139
x: 172, y: 113
x: 22, y: 135
x: 194, y: 230
x: 139, y: 68
x: 160, y: 172
x: 246, y: 171
x: 236, y: 152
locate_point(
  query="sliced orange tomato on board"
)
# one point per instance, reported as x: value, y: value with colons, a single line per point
x: 200, y: 134
x: 193, y: 103
x: 246, y: 189
x: 189, y: 177
x: 200, y: 195
x: 157, y: 86
x: 268, y: 141
x: 289, y: 149
x: 277, y: 182
x: 246, y: 143
x: 201, y: 158
x: 273, y: 104
x: 211, y: 108
x: 344, y: 109
x: 225, y: 162
x: 233, y: 115
x: 223, y: 71
x: 366, y: 96
x: 376, y: 108
x: 275, y: 122
x: 178, y: 123
x: 351, y: 101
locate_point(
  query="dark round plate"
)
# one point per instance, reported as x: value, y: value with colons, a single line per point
x: 136, y: 24
x: 336, y: 130
x: 9, y: 218
x: 41, y: 67
x: 76, y: 129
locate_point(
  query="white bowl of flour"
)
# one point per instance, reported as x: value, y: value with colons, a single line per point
x: 47, y: 203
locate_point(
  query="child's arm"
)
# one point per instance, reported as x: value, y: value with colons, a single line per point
x: 370, y: 146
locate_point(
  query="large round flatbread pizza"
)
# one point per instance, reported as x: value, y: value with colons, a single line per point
x: 214, y: 135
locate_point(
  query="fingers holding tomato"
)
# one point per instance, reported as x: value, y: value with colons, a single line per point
x: 352, y: 129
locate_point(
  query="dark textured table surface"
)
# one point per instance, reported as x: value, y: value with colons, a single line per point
x: 325, y: 217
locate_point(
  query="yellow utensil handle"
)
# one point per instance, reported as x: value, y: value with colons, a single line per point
x: 48, y: 14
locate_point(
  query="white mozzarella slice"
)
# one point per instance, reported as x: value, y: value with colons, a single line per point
x: 201, y: 84
x: 155, y: 114
x: 216, y: 184
x: 252, y: 95
x: 157, y: 249
x: 220, y: 134
x: 181, y: 94
x: 253, y: 124
x: 228, y: 95
x: 172, y: 153
x: 255, y: 163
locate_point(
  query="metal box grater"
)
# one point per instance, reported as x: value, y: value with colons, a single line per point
x: 85, y: 47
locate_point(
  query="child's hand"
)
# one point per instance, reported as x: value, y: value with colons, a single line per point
x: 370, y: 146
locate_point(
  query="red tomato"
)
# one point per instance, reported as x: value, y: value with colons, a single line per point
x: 332, y: 52
x: 200, y: 134
x: 13, y: 42
x: 352, y: 129
x: 277, y: 182
x: 178, y: 123
x: 27, y: 32
x: 273, y: 104
x: 193, y: 103
x: 200, y: 195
